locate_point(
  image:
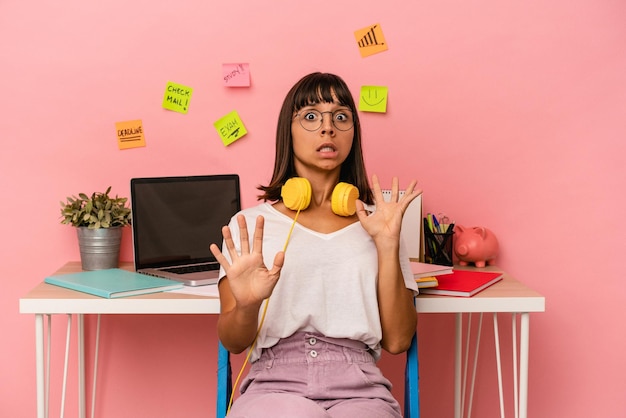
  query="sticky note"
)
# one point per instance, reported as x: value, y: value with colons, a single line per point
x: 370, y: 40
x: 230, y: 128
x: 130, y: 134
x: 373, y: 99
x: 177, y: 97
x: 236, y: 75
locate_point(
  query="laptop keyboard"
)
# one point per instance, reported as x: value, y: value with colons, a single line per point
x: 193, y: 269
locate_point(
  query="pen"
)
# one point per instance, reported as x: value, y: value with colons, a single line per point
x: 436, y: 224
x: 429, y: 218
x: 429, y: 237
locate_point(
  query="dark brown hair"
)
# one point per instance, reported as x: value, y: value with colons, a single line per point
x: 312, y: 89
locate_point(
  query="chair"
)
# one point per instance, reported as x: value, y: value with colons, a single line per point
x: 411, y: 382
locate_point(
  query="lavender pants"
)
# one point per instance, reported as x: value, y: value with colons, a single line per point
x: 311, y: 376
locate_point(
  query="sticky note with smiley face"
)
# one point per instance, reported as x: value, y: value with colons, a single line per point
x: 373, y: 99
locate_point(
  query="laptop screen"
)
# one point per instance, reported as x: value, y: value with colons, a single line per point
x: 175, y: 219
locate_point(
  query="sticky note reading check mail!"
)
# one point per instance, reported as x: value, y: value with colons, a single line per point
x: 177, y: 97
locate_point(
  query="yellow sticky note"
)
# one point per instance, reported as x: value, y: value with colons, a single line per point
x: 130, y: 134
x: 370, y: 40
x: 177, y: 97
x: 230, y: 128
x: 373, y: 99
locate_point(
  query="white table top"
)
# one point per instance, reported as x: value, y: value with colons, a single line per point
x: 508, y: 295
x: 49, y: 299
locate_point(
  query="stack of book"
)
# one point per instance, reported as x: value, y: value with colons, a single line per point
x: 426, y: 274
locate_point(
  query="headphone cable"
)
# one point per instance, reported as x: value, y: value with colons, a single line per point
x: 232, y: 394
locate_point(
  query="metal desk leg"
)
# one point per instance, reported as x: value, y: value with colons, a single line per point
x: 515, y: 365
x: 81, y: 366
x: 68, y: 336
x: 523, y: 364
x: 457, y: 365
x: 496, y: 338
x: 39, y: 361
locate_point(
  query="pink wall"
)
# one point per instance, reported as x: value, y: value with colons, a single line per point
x: 510, y: 114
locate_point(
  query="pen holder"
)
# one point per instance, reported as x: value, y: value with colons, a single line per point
x: 438, y: 247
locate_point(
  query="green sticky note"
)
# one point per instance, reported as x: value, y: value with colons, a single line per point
x: 373, y: 99
x: 177, y: 97
x: 230, y: 128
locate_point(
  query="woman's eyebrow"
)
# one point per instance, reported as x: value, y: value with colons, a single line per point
x: 314, y: 107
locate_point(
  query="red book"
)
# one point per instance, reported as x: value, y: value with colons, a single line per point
x: 464, y: 283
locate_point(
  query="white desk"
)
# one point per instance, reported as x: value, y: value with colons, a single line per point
x: 46, y: 300
x: 508, y: 295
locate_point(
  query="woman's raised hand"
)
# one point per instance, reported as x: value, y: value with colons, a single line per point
x: 386, y: 221
x: 250, y: 280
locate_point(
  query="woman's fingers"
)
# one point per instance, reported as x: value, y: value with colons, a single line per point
x: 243, y: 234
x: 376, y: 190
x: 257, y: 246
x: 230, y: 245
x: 215, y: 250
x: 409, y: 195
x: 279, y: 260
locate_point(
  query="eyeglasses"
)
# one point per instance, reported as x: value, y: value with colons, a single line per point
x: 312, y: 119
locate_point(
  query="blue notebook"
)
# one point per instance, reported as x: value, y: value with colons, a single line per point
x: 113, y: 283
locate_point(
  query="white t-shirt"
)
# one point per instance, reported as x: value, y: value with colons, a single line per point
x: 327, y: 284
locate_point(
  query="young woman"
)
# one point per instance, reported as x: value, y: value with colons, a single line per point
x: 314, y: 294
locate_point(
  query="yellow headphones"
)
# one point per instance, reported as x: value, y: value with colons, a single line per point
x: 296, y: 194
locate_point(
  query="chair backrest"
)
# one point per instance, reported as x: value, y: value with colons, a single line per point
x: 411, y: 382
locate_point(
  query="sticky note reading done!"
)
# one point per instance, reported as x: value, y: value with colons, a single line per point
x: 230, y: 128
x: 177, y: 97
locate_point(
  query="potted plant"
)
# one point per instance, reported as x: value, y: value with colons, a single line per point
x: 99, y: 220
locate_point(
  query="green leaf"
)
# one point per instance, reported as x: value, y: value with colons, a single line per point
x: 97, y: 211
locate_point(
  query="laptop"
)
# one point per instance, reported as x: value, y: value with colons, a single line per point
x: 176, y: 219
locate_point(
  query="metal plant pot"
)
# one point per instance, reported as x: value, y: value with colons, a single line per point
x: 99, y: 248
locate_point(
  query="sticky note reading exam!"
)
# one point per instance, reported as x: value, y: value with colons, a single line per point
x: 230, y: 128
x: 370, y: 40
x: 130, y: 134
x: 177, y: 97
x: 373, y: 99
x: 236, y: 75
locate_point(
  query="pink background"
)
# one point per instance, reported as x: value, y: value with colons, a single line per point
x: 511, y: 114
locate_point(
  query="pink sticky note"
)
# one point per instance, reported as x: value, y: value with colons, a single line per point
x: 236, y: 75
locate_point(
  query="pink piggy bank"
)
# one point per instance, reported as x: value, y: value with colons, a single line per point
x: 476, y: 245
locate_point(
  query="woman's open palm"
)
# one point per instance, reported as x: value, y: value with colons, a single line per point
x: 386, y: 221
x: 250, y: 280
